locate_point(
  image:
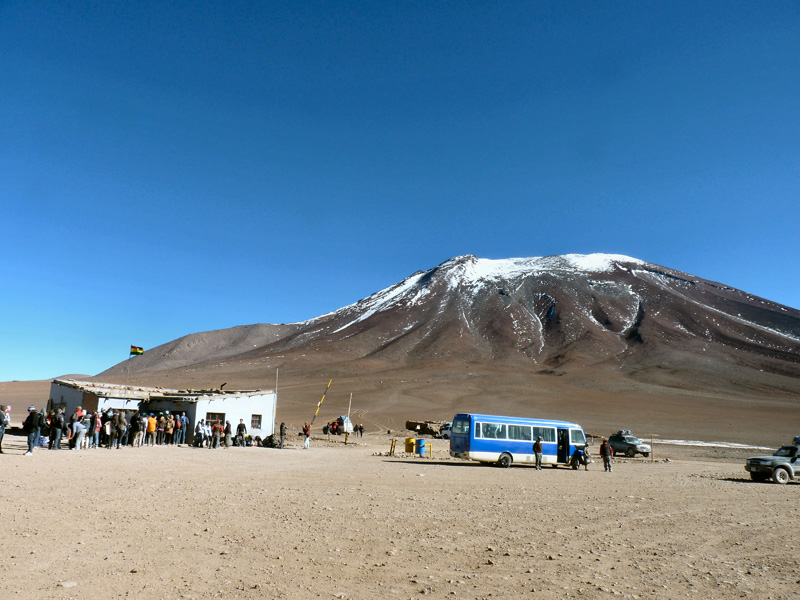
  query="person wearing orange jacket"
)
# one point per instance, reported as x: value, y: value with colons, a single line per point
x: 151, y: 430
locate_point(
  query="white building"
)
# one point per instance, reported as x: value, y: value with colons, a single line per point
x: 256, y: 408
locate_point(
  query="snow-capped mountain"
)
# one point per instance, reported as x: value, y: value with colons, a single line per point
x: 544, y: 314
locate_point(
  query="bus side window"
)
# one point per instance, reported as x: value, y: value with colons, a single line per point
x: 548, y: 434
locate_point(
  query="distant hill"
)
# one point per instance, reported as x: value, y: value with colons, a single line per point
x: 607, y: 333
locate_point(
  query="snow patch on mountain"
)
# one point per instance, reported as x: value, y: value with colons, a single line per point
x: 477, y: 271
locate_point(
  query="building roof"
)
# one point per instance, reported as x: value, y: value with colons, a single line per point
x: 147, y: 394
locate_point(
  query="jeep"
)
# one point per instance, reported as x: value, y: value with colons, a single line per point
x: 782, y: 467
x: 623, y: 442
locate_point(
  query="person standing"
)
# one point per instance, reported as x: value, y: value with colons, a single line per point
x: 169, y: 429
x: 176, y: 435
x: 207, y: 434
x: 283, y: 433
x: 228, y: 433
x: 137, y: 426
x: 41, y: 421
x: 241, y: 431
x: 87, y: 423
x: 307, y: 434
x: 95, y: 425
x: 199, y: 433
x: 112, y: 429
x: 29, y: 428
x: 122, y: 429
x: 161, y: 426
x: 606, y: 453
x: 57, y: 430
x: 5, y: 421
x: 216, y: 432
x: 537, y: 450
x: 78, y: 433
x: 150, y: 438
x: 184, y: 427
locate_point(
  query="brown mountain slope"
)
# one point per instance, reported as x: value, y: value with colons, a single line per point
x: 610, y: 338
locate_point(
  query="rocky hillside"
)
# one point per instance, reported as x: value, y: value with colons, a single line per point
x: 548, y: 314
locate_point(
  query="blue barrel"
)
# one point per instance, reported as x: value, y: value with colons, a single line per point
x: 419, y: 446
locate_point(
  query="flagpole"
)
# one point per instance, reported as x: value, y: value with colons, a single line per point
x: 321, y: 401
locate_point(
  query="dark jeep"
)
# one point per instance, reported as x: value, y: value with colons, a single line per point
x: 782, y: 467
x: 623, y: 442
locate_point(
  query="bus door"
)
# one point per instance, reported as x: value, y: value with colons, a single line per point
x: 563, y: 446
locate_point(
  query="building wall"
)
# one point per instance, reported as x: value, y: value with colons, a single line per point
x: 66, y: 397
x: 231, y: 407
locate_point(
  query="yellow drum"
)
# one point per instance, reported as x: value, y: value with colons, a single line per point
x: 410, y: 445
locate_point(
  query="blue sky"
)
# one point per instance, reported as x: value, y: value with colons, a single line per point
x: 174, y: 167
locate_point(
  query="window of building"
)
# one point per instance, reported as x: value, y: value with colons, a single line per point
x: 255, y: 422
x: 215, y: 418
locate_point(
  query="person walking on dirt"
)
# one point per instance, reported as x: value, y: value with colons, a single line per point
x: 283, y: 434
x: 537, y: 450
x: 606, y: 452
x: 307, y: 433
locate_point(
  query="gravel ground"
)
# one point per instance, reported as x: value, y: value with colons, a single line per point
x: 349, y: 521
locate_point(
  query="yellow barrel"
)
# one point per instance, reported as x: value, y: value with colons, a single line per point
x: 410, y: 445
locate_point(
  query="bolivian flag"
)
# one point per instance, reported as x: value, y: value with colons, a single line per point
x: 136, y: 350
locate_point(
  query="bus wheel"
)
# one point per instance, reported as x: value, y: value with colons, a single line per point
x: 504, y: 461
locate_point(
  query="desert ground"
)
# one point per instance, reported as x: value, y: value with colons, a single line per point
x: 349, y: 521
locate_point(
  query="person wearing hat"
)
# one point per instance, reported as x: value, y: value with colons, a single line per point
x: 151, y: 430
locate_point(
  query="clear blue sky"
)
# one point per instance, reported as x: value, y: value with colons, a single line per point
x: 174, y: 167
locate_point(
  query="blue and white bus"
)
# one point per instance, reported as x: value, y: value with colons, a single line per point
x: 507, y: 440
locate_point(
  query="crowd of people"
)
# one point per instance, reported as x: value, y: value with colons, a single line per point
x: 110, y: 428
x: 208, y: 434
x: 337, y: 427
x: 118, y: 428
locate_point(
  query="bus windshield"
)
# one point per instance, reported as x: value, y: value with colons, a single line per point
x: 576, y: 436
